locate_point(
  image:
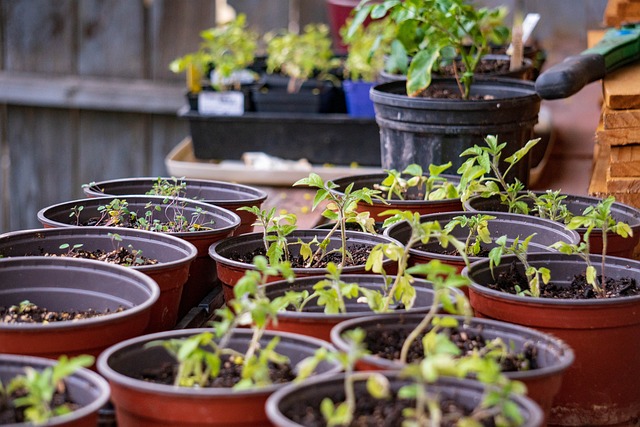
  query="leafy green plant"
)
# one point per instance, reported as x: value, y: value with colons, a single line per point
x: 229, y: 47
x: 366, y: 49
x: 433, y: 186
x: 201, y: 356
x: 300, y: 56
x: 34, y: 391
x: 482, y: 174
x: 595, y: 217
x: 432, y: 31
x: 340, y: 208
x: 275, y: 229
x: 173, y: 187
x: 551, y: 205
x: 479, y: 233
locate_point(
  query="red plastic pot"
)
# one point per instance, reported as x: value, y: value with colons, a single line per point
x: 174, y: 257
x: 601, y: 387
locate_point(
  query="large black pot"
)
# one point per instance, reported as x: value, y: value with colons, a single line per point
x: 434, y: 131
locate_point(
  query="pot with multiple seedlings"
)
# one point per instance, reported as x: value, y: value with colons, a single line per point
x: 589, y: 301
x: 198, y: 223
x: 165, y: 259
x: 308, y: 251
x: 226, y: 195
x: 39, y: 391
x: 215, y: 376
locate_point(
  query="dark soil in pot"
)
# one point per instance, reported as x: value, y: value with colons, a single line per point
x: 359, y: 255
x: 31, y: 313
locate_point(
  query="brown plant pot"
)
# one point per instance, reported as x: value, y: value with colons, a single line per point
x: 230, y: 271
x: 422, y: 207
x: 86, y: 388
x: 69, y: 283
x: 314, y: 322
x: 463, y: 391
x: 141, y: 403
x: 601, y: 387
x: 616, y: 245
x: 226, y: 195
x: 202, y: 272
x: 174, y: 257
x: 543, y: 383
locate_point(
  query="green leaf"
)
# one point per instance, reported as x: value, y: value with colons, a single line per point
x: 419, y: 75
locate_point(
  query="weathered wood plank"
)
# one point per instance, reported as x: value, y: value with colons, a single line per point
x: 620, y: 119
x: 91, y: 93
x: 111, y: 38
x: 39, y: 36
x: 621, y: 88
x: 617, y: 136
x: 166, y: 133
x: 625, y: 161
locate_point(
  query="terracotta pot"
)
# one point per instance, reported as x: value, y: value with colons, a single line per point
x: 70, y: 283
x: 202, y: 272
x: 230, y: 271
x: 601, y: 387
x: 226, y: 195
x: 616, y: 245
x: 174, y: 258
x: 420, y: 206
x: 511, y: 225
x: 543, y: 383
x: 315, y: 323
x: 142, y: 403
x: 465, y: 392
x: 86, y: 388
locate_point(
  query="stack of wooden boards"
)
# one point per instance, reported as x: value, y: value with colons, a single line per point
x: 617, y: 155
x: 620, y: 12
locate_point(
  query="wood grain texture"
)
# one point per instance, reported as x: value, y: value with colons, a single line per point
x: 620, y: 119
x: 625, y: 161
x: 599, y: 184
x: 621, y: 88
x: 617, y: 136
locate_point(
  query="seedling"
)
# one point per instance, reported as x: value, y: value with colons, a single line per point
x: 342, y: 209
x: 431, y: 187
x: 71, y: 248
x: 481, y: 174
x: 175, y: 187
x: 275, y: 230
x: 551, y: 205
x: 35, y: 390
x: 535, y: 276
x: 367, y: 48
x: 201, y: 356
x: 23, y: 307
x: 595, y: 217
x: 478, y: 226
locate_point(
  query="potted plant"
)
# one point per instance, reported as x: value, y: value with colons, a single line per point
x: 487, y: 188
x: 165, y: 259
x: 413, y: 189
x: 218, y: 376
x: 418, y: 122
x: 366, y: 49
x: 197, y: 222
x: 573, y: 297
x: 298, y: 68
x: 41, y: 297
x: 226, y: 195
x: 229, y: 49
x: 35, y: 390
x: 308, y: 250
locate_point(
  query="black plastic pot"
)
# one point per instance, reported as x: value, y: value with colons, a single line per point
x: 468, y: 393
x: 86, y: 389
x: 202, y: 273
x: 434, y: 131
x: 68, y: 284
x: 554, y: 356
x: 174, y: 258
x: 616, y: 245
x: 314, y: 96
x: 514, y: 226
x: 140, y: 402
x: 223, y: 194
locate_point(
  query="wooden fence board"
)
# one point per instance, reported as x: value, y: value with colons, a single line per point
x: 166, y: 133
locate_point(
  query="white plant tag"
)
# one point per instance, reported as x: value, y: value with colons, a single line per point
x: 229, y: 103
x: 528, y: 24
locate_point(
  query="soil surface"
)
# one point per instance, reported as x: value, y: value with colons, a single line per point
x: 388, y: 344
x: 371, y: 412
x: 31, y: 313
x: 11, y: 415
x: 120, y: 256
x: 359, y: 255
x: 230, y: 374
x: 578, y: 289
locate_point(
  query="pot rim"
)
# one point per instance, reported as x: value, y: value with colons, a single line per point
x: 104, y: 368
x: 142, y: 279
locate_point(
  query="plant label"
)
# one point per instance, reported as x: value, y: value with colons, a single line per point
x: 221, y: 103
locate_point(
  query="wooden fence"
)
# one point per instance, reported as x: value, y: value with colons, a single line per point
x: 86, y: 95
